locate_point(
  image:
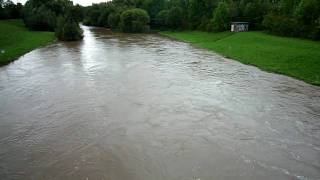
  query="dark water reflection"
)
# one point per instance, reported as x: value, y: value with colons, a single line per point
x: 144, y: 107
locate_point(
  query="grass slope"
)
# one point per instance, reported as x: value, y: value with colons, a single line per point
x: 16, y: 40
x: 290, y: 56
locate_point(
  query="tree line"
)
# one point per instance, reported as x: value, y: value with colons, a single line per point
x: 299, y: 18
x: 60, y: 16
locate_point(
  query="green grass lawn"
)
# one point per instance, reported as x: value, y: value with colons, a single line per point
x: 290, y: 56
x: 16, y: 40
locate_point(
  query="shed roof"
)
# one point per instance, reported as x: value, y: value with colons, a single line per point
x: 239, y: 22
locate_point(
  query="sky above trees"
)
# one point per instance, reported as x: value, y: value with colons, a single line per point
x: 82, y: 2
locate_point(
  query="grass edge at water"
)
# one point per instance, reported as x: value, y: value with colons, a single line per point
x: 298, y: 58
x: 16, y: 40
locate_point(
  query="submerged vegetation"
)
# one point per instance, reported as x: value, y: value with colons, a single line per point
x: 17, y: 40
x: 290, y: 56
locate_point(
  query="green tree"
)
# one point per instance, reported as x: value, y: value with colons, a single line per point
x: 308, y: 11
x: 78, y: 12
x: 114, y: 20
x: 221, y: 18
x: 134, y: 20
x: 280, y: 25
x: 43, y: 15
x: 162, y: 18
x: 68, y: 29
x: 175, y: 18
x: 200, y: 12
x: 153, y: 7
x: 103, y: 19
x: 254, y: 13
x: 308, y: 16
x: 92, y: 15
x: 40, y: 18
x: 287, y: 7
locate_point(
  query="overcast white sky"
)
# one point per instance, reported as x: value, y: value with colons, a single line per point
x: 82, y: 2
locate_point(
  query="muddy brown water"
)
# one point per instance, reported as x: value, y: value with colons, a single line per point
x: 145, y: 107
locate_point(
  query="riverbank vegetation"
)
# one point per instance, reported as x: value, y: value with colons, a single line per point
x: 295, y: 18
x: 206, y: 23
x: 18, y: 37
x: 290, y: 56
x: 59, y: 16
x: 16, y: 40
x: 134, y: 20
x: 298, y: 18
x: 197, y: 20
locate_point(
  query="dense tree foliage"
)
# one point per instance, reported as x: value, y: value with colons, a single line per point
x: 175, y: 17
x: 295, y: 18
x: 134, y: 20
x: 97, y: 15
x: 284, y: 17
x: 200, y: 13
x: 221, y: 18
x: 42, y: 14
x: 9, y: 10
x: 161, y: 19
x: 58, y: 15
x: 68, y: 29
x: 300, y: 18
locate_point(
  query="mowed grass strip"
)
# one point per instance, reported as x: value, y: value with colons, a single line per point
x: 16, y: 40
x: 290, y: 56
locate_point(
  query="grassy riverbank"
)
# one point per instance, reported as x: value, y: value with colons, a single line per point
x: 290, y: 56
x: 16, y: 40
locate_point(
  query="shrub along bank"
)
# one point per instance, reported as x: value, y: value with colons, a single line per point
x: 60, y: 16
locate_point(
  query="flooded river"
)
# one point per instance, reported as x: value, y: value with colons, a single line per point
x: 145, y: 107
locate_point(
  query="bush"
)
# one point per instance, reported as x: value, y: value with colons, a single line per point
x: 203, y: 26
x: 68, y: 29
x: 221, y: 18
x: 281, y: 25
x: 134, y: 20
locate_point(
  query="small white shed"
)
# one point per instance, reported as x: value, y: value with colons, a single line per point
x: 239, y: 26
